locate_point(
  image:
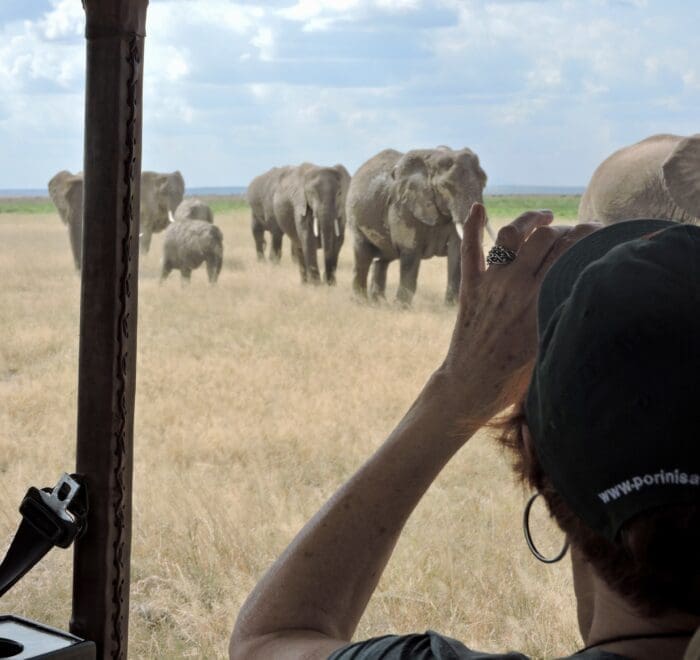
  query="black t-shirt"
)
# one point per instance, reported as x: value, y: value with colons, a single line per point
x: 432, y: 646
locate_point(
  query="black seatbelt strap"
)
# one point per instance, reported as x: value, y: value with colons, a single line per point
x: 50, y: 517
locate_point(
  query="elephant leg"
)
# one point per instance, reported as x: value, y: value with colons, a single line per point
x: 331, y: 266
x: 185, y: 276
x: 276, y: 247
x: 165, y: 271
x: 259, y: 238
x: 145, y: 240
x: 331, y: 250
x: 378, y: 287
x: 364, y: 253
x: 454, y: 271
x: 213, y: 269
x: 410, y: 264
x: 298, y: 256
x: 309, y: 245
x: 75, y: 231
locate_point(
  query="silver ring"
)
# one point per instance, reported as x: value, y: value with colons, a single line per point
x: 500, y: 255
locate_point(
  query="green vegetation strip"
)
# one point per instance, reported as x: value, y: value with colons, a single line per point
x: 26, y: 205
x: 510, y: 206
x: 499, y: 206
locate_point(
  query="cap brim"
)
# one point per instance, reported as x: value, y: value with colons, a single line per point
x: 560, y: 279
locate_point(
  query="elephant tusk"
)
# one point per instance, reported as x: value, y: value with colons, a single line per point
x: 460, y: 230
x: 315, y: 226
x: 170, y: 216
x: 336, y: 224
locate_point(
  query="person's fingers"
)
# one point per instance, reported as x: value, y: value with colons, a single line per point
x: 538, y: 246
x: 472, y: 250
x: 564, y: 243
x: 513, y: 235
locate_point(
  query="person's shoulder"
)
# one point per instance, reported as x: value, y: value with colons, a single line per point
x: 426, y: 646
x: 433, y: 646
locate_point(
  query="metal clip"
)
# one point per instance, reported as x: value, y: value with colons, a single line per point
x: 47, y: 510
x: 61, y: 496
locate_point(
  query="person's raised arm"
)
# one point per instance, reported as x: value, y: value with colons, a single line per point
x: 310, y: 601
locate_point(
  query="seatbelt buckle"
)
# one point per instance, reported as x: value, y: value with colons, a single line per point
x: 58, y: 513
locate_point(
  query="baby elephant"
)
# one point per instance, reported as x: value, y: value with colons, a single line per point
x: 193, y: 209
x: 189, y: 243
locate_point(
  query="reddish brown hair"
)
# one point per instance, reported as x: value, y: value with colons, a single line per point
x: 655, y: 562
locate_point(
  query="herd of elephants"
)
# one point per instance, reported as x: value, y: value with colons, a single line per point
x: 406, y: 206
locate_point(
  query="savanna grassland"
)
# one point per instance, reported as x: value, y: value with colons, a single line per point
x: 256, y: 398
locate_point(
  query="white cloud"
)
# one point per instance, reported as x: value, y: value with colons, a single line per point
x: 65, y: 20
x: 545, y: 74
x: 264, y: 41
x: 691, y: 79
x: 304, y: 10
x: 232, y: 87
x: 319, y: 15
x: 260, y: 91
x: 28, y: 58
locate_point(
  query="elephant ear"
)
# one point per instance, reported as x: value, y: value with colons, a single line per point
x: 412, y: 190
x: 480, y: 174
x: 74, y: 197
x: 177, y: 189
x: 344, y: 174
x: 475, y: 166
x: 344, y: 181
x: 58, y: 189
x: 681, y: 174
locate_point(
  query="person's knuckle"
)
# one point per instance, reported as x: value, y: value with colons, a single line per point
x: 507, y: 234
x: 546, y: 233
x: 582, y: 228
x: 532, y: 216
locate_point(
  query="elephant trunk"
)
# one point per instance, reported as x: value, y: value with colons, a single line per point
x: 460, y: 210
x: 75, y: 230
x: 330, y: 231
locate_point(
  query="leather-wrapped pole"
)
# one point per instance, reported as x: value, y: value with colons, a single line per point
x: 115, y: 32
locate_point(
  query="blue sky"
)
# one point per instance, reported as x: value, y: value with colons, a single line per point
x: 542, y: 90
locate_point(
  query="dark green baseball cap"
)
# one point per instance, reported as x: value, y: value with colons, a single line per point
x: 614, y: 401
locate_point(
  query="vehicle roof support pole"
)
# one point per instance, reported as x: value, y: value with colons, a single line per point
x: 115, y: 31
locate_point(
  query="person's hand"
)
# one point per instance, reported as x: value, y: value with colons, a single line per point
x: 495, y: 337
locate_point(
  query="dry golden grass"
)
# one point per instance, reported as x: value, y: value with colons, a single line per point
x: 256, y: 399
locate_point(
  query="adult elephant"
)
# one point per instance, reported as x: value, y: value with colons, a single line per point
x: 309, y: 206
x: 656, y: 178
x: 260, y: 194
x: 160, y: 196
x: 66, y: 192
x: 410, y: 207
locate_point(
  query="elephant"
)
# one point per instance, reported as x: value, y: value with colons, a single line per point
x: 260, y: 197
x: 411, y: 206
x: 188, y: 244
x: 193, y: 209
x: 307, y: 203
x: 66, y: 192
x: 160, y: 196
x: 309, y: 206
x: 658, y: 177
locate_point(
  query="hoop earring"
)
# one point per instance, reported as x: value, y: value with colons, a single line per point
x: 528, y: 536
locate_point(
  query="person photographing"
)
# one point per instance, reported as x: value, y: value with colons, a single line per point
x: 592, y: 335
